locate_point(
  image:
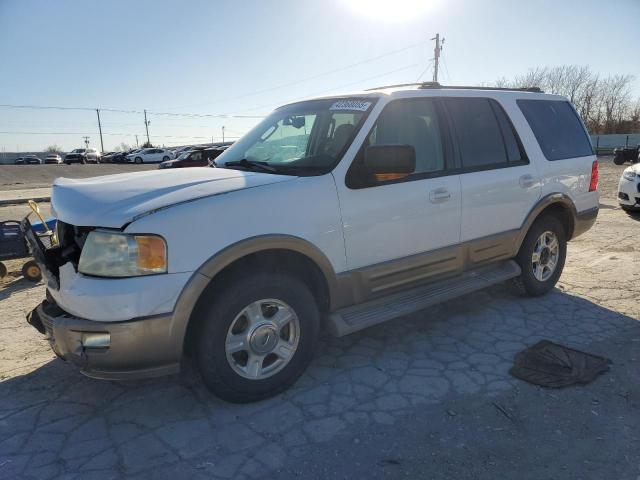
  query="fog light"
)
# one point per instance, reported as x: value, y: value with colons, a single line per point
x: 96, y: 340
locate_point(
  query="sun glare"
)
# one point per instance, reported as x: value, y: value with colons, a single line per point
x: 390, y: 10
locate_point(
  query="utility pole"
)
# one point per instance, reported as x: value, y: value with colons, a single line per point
x: 100, y: 128
x: 436, y: 55
x: 86, y: 141
x: 146, y: 125
x: 137, y: 144
x: 223, y: 134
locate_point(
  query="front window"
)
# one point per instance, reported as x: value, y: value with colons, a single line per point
x: 306, y: 138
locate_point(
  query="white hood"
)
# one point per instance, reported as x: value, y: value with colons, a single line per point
x: 115, y: 200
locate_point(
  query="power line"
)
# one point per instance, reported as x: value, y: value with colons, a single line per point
x: 115, y: 110
x: 90, y: 133
x: 284, y: 102
x: 306, y: 79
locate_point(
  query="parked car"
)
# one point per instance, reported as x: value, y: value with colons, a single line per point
x: 342, y: 212
x: 629, y: 189
x: 19, y: 161
x: 53, y: 158
x: 33, y: 160
x: 82, y: 155
x: 114, y: 157
x: 626, y: 154
x: 150, y: 155
x: 201, y: 157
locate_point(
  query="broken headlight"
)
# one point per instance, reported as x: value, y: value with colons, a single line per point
x: 109, y: 254
x: 629, y: 175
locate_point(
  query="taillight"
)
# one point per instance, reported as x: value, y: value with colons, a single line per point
x: 593, y: 185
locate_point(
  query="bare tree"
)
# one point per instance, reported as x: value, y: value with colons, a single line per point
x: 53, y: 149
x: 605, y: 104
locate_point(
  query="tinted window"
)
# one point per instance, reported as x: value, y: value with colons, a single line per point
x: 477, y: 132
x: 511, y: 144
x: 557, y: 128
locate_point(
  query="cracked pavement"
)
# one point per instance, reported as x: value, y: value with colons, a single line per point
x: 428, y: 395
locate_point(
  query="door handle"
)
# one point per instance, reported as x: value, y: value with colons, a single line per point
x: 526, y: 181
x: 439, y: 195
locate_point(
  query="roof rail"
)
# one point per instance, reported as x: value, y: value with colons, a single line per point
x: 427, y: 85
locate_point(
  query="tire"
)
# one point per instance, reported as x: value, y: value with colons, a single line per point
x: 618, y: 159
x: 31, y: 271
x: 222, y: 311
x: 527, y: 283
x: 165, y: 159
x: 138, y: 160
x: 3, y: 270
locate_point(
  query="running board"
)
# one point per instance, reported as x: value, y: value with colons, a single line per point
x: 379, y: 310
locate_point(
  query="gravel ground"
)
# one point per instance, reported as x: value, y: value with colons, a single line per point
x: 426, y: 396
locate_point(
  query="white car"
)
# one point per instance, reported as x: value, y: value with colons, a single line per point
x: 629, y: 188
x: 53, y: 158
x: 339, y: 212
x: 150, y: 155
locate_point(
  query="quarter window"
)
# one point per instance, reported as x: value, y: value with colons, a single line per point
x: 557, y: 128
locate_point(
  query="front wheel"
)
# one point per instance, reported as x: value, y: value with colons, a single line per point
x: 138, y: 160
x: 256, y: 336
x: 541, y: 257
x: 165, y: 159
x: 3, y: 270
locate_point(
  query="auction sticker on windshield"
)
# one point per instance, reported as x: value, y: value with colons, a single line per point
x: 358, y: 105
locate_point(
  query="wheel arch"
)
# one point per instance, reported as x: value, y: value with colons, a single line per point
x: 556, y: 204
x: 280, y: 252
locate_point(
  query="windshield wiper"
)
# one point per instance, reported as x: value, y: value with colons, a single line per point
x: 252, y: 165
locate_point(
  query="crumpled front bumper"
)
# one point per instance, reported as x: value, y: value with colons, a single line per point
x: 144, y: 347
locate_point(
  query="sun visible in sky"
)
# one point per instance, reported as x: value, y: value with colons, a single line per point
x: 390, y: 10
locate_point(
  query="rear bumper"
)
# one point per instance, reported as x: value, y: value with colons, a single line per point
x: 139, y: 348
x: 584, y: 221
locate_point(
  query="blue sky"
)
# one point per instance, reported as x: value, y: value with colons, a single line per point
x: 245, y: 58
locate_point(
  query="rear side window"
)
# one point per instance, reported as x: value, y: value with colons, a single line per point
x: 478, y: 133
x: 557, y: 128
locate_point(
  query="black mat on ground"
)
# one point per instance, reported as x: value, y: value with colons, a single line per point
x: 551, y: 365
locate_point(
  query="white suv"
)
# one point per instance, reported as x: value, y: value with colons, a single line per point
x: 342, y: 212
x: 629, y: 189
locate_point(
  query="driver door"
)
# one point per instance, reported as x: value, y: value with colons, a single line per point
x: 400, y: 231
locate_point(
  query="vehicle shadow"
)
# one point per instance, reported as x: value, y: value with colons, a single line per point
x: 460, y: 349
x: 11, y: 287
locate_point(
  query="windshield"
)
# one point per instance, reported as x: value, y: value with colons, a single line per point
x: 78, y: 150
x: 306, y: 138
x: 184, y: 155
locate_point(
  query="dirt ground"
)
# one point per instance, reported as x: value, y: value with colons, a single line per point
x: 425, y: 396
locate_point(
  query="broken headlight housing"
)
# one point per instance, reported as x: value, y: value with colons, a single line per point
x: 114, y: 254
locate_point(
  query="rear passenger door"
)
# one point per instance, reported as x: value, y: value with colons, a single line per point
x: 499, y: 186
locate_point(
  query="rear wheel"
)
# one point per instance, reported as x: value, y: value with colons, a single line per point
x: 138, y: 160
x: 541, y: 257
x: 256, y: 336
x: 3, y: 270
x: 31, y: 271
x: 165, y: 159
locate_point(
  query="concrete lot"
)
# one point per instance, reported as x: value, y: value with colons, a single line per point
x: 426, y: 396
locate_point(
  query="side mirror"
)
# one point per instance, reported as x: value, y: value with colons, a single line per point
x: 390, y: 162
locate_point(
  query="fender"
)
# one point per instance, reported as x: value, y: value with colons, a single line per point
x: 551, y: 199
x: 222, y: 259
